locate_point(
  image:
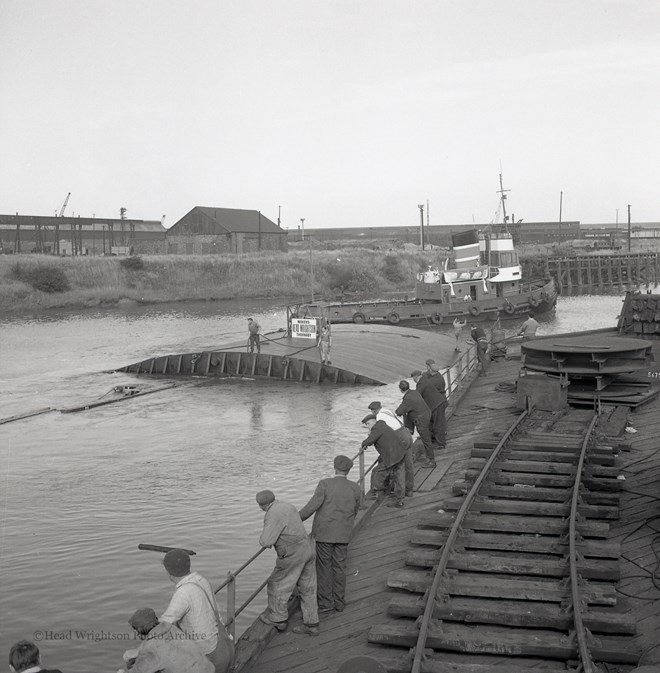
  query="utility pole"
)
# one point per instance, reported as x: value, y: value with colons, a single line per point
x: 260, y: 230
x: 421, y: 223
x: 629, y: 229
x: 279, y: 213
x: 311, y: 266
x: 428, y: 228
x: 561, y: 200
x: 302, y: 231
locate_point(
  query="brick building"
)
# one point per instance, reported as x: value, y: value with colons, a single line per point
x: 205, y: 231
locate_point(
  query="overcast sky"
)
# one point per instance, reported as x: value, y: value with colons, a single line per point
x: 344, y: 112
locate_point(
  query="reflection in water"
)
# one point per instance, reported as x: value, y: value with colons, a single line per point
x: 177, y: 468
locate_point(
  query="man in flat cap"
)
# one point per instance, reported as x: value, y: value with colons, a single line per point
x: 417, y: 413
x: 335, y: 505
x: 389, y: 471
x: 165, y: 647
x: 401, y: 431
x: 431, y: 386
x: 193, y: 609
x: 295, y: 566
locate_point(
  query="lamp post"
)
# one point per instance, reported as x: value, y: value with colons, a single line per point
x: 421, y: 223
x: 302, y: 228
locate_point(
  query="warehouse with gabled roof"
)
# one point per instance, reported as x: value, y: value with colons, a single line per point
x: 205, y: 231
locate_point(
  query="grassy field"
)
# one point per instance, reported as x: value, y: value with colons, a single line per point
x: 352, y: 269
x: 35, y: 281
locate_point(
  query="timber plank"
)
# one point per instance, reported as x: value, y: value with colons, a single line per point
x: 545, y: 544
x: 508, y: 523
x: 604, y: 570
x: 562, y: 509
x: 482, y: 585
x: 531, y: 492
x: 499, y: 640
x: 512, y: 613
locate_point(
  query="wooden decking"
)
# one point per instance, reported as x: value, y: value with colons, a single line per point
x: 380, y: 546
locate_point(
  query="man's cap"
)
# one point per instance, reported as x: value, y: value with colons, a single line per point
x: 249, y: 319
x: 375, y: 405
x: 143, y: 620
x: 368, y: 417
x: 343, y: 463
x: 429, y: 362
x: 265, y: 497
x: 177, y: 562
x: 415, y: 372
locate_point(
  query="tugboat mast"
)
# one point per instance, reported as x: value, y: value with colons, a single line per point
x: 502, y: 192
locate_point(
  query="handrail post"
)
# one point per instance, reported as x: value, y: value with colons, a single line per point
x: 362, y: 474
x: 231, y: 604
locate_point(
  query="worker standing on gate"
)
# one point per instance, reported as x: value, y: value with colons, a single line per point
x: 253, y: 339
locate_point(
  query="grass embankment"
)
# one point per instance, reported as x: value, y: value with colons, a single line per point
x: 35, y: 281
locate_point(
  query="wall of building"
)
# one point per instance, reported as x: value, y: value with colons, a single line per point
x: 214, y: 244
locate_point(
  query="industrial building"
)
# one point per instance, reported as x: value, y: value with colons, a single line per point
x: 205, y: 231
x: 80, y: 235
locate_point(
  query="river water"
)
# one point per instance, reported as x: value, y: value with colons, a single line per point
x: 79, y: 492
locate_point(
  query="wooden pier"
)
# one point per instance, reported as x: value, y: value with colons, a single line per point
x: 381, y: 546
x: 589, y: 274
x: 360, y: 354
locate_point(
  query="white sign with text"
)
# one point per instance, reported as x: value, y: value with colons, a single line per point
x: 303, y: 328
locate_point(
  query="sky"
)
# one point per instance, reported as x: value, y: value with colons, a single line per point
x: 343, y: 112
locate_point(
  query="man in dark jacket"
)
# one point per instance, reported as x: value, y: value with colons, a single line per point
x: 390, y: 468
x: 432, y: 378
x: 479, y: 337
x: 418, y: 415
x: 335, y: 504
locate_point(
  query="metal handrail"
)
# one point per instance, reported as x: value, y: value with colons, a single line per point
x: 466, y: 362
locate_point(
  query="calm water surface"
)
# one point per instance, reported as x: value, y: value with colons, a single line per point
x: 79, y: 492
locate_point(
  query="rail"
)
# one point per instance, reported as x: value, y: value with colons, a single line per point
x: 577, y: 584
x: 448, y: 545
x: 455, y: 375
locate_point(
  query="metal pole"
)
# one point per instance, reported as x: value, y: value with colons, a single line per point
x: 302, y: 230
x: 428, y: 230
x: 421, y: 224
x: 279, y: 213
x: 561, y: 198
x: 259, y: 230
x: 362, y: 475
x: 629, y: 229
x: 231, y: 604
x: 311, y: 266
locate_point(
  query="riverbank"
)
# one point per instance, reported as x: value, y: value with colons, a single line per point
x: 35, y: 282
x: 40, y: 282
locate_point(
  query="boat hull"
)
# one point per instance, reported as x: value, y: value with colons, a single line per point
x: 540, y: 298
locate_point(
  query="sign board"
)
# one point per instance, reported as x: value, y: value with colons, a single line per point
x: 303, y: 328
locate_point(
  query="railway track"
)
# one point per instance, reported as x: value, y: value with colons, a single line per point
x: 518, y: 563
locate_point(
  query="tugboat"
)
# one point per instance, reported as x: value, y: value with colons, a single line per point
x: 484, y: 282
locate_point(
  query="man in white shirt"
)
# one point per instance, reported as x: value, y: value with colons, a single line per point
x: 193, y: 609
x: 392, y: 421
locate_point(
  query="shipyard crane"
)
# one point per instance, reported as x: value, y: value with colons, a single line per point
x: 57, y: 224
x: 64, y: 205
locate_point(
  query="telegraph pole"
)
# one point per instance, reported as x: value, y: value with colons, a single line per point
x: 421, y: 224
x: 629, y: 229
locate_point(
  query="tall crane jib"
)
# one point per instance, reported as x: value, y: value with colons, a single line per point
x: 60, y: 213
